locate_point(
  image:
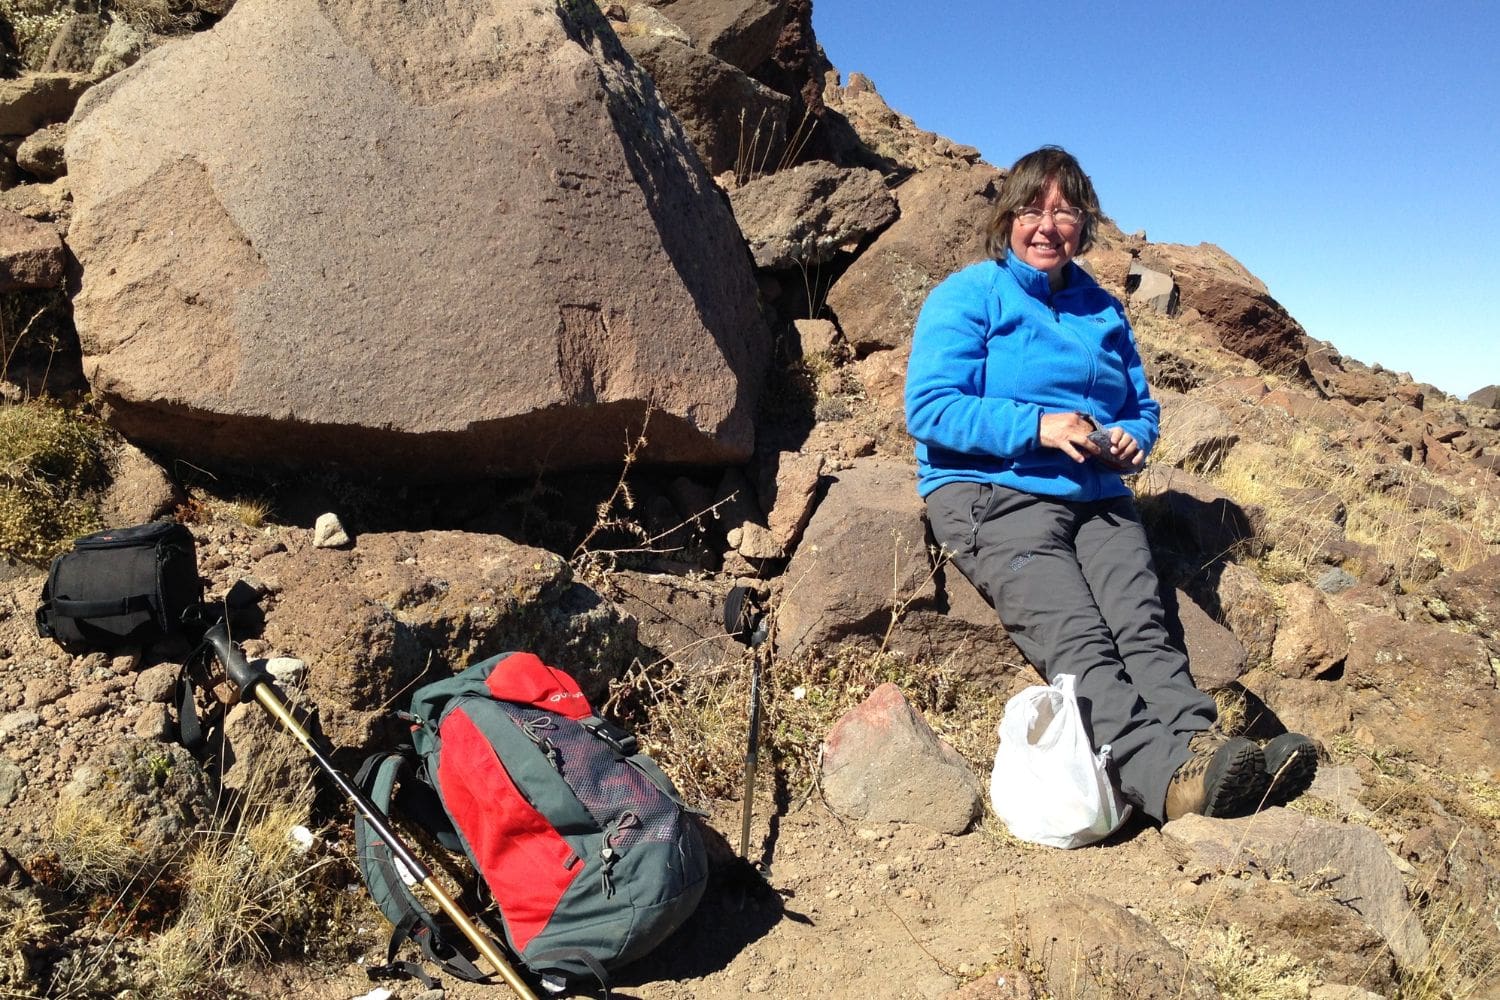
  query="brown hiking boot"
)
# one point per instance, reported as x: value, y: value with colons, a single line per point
x: 1224, y: 777
x: 1291, y: 762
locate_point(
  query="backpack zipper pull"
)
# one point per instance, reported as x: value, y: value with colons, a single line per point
x: 534, y: 728
x: 608, y: 855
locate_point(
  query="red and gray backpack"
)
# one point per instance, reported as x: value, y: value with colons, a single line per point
x: 589, y: 854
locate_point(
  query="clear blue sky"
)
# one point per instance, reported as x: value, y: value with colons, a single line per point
x: 1347, y: 153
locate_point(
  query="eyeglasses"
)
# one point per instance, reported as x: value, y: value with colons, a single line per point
x: 1065, y: 216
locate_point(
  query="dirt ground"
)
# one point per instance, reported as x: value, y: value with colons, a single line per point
x: 851, y: 911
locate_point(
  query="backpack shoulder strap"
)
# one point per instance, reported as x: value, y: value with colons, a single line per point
x: 387, y: 879
x: 198, y: 735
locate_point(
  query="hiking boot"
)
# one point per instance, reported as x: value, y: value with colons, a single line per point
x: 1224, y: 777
x: 1291, y: 764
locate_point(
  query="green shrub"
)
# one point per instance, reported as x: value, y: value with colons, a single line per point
x: 49, y: 459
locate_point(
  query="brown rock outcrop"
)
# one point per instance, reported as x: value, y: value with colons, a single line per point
x: 1233, y: 303
x: 36, y: 99
x: 808, y: 213
x: 863, y: 553
x: 942, y: 211
x: 1311, y: 640
x: 31, y: 254
x: 743, y: 33
x: 1216, y: 656
x: 373, y: 618
x: 1101, y: 949
x: 1471, y: 597
x: 1355, y: 855
x: 892, y: 137
x: 735, y: 122
x: 566, y: 268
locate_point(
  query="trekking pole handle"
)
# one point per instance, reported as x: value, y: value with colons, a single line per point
x: 241, y: 673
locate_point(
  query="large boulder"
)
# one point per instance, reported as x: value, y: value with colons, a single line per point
x: 1488, y: 397
x: 1353, y: 857
x: 864, y: 575
x: 863, y: 559
x: 374, y: 235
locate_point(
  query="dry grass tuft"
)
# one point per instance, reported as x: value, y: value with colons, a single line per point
x: 252, y: 512
x: 161, y: 16
x: 1463, y: 956
x: 1242, y: 971
x: 97, y: 850
x: 183, y: 927
x: 26, y: 930
x: 1304, y: 481
x: 694, y: 722
x: 243, y: 894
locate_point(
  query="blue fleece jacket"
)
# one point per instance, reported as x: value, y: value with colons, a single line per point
x: 994, y: 349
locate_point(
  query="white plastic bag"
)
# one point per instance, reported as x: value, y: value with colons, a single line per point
x: 1048, y: 786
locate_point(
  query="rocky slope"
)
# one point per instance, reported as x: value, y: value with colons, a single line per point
x: 1330, y: 532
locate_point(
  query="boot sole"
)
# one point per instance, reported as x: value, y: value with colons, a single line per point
x: 1239, y: 784
x: 1291, y: 776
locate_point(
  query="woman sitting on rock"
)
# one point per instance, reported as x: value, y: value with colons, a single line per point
x: 1015, y: 363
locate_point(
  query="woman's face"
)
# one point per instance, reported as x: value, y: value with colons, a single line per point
x: 1046, y: 244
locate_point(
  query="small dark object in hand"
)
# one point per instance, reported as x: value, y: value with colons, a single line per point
x: 1101, y: 439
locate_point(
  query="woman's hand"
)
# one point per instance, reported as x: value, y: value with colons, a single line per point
x: 1068, y: 433
x: 1124, y: 454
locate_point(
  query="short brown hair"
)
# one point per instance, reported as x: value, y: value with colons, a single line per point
x: 1026, y: 182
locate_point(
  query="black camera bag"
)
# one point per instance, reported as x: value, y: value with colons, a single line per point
x: 119, y: 586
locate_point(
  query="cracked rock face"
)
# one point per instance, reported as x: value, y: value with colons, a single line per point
x: 445, y: 239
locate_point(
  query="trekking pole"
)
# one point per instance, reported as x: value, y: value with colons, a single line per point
x: 744, y: 619
x: 752, y: 754
x: 258, y: 683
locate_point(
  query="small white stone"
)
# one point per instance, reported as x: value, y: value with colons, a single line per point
x: 18, y: 722
x: 329, y: 533
x: 288, y: 670
x: 302, y: 838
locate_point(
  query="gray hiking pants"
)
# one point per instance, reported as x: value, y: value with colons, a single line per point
x: 1074, y: 585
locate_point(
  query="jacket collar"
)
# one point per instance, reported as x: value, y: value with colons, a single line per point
x: 1034, y: 282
